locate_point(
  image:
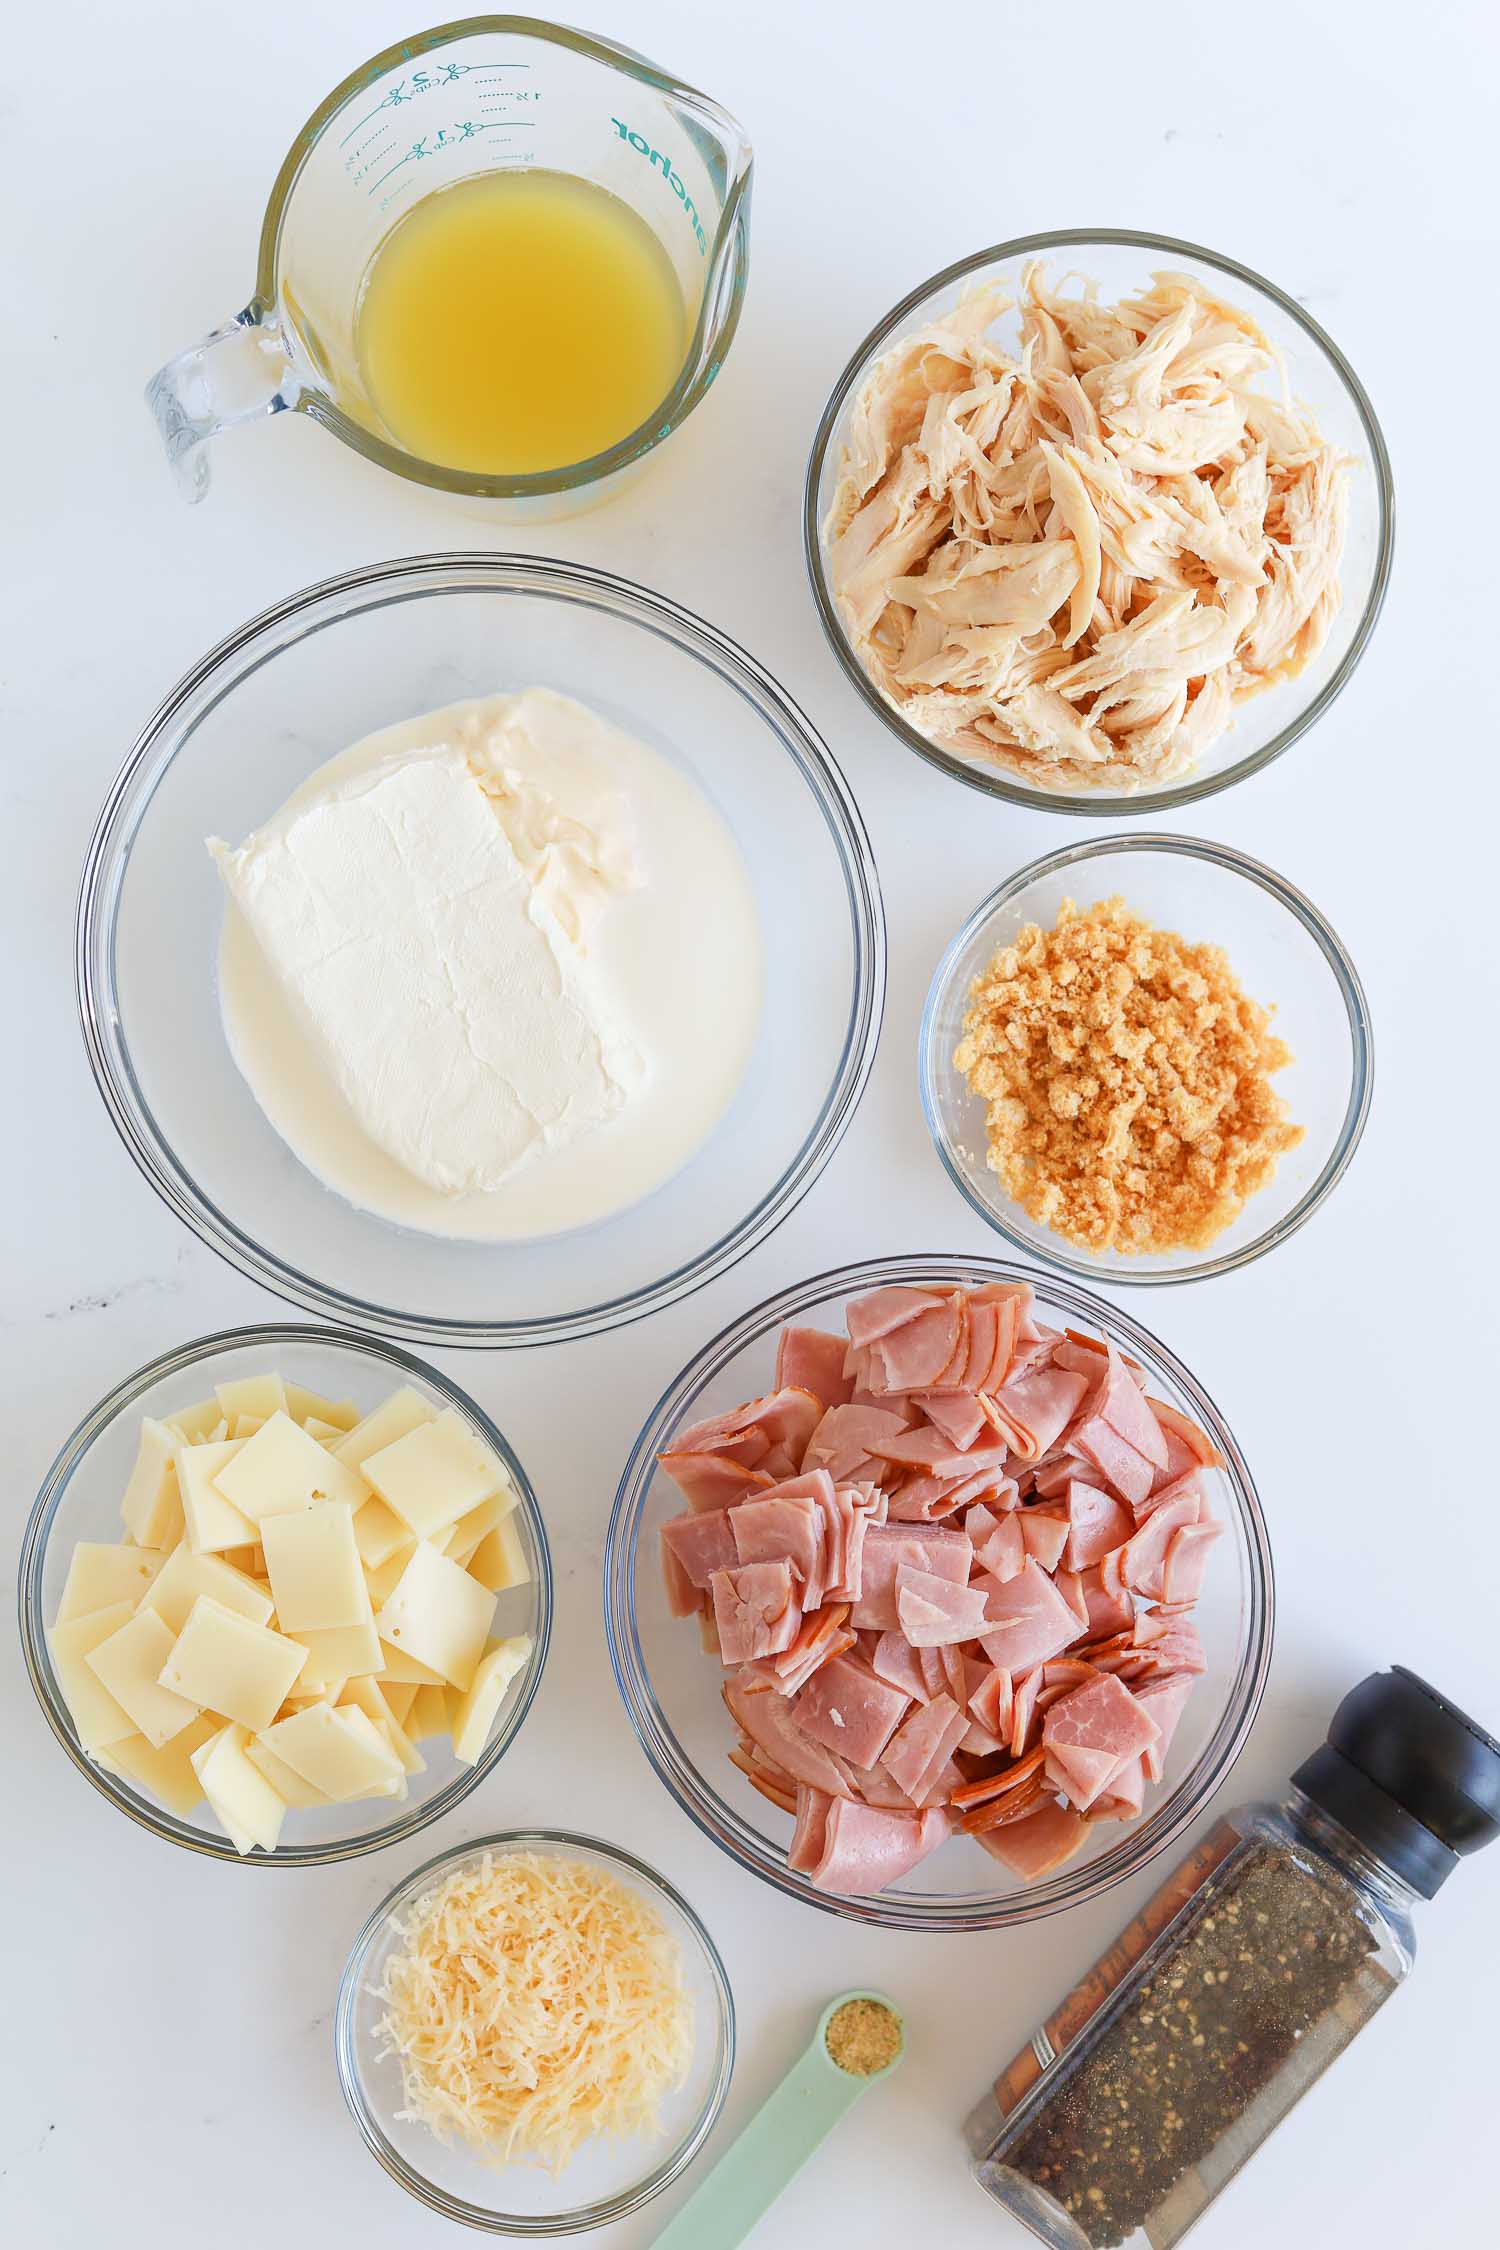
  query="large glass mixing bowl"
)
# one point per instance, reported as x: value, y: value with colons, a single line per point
x: 322, y: 669
x: 671, y: 1687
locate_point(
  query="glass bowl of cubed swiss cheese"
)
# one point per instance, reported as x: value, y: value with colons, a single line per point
x: 285, y: 1595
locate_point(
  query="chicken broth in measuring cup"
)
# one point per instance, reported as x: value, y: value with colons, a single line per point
x: 517, y: 322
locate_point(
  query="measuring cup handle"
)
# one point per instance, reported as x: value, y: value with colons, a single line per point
x: 240, y: 371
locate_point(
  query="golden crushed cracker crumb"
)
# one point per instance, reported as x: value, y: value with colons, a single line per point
x: 1127, y: 1081
x: 863, y: 2037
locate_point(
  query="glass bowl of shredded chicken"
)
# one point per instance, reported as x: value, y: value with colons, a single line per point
x: 534, y: 2033
x: 1098, y: 516
x: 1146, y: 1059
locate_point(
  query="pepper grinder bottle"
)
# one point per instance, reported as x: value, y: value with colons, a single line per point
x: 1251, y: 1969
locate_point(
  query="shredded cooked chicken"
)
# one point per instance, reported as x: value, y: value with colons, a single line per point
x: 1076, y: 563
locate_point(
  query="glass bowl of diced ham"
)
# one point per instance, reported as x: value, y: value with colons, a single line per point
x: 938, y: 1593
x: 285, y: 1595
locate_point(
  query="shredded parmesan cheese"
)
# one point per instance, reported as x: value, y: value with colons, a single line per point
x: 536, y: 2003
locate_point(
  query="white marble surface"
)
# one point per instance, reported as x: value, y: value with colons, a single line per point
x: 166, y: 2077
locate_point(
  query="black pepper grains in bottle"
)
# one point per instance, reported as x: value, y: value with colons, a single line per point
x: 1257, y: 1961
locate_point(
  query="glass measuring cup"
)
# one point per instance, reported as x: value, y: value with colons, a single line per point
x: 488, y: 93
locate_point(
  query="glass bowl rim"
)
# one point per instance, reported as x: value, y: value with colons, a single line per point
x: 719, y: 308
x: 1142, y: 1841
x: 327, y: 603
x: 583, y: 2216
x: 157, y: 1820
x: 1356, y: 1010
x: 1192, y: 787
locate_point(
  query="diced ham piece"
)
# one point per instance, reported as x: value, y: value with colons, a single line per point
x: 1036, y: 1845
x: 865, y: 1848
x: 812, y: 1360
x: 920, y: 1748
x: 755, y: 1610
x: 1164, y: 1701
x: 932, y: 1612
x: 1025, y: 1720
x: 895, y: 1660
x: 1091, y: 1731
x: 1123, y: 1794
x: 781, y: 1527
x: 806, y: 1847
x: 767, y: 1721
x: 713, y: 1480
x: 990, y: 1700
x: 1070, y: 1585
x: 1127, y: 1472
x: 841, y: 1441
x: 683, y: 1597
x: 1123, y: 1406
x: 1097, y: 1522
x: 881, y: 1311
x: 936, y: 1548
x: 983, y: 1348
x: 999, y: 1543
x: 956, y: 1415
x: 1035, y: 1410
x: 1188, y: 1434
x: 1026, y: 1619
x: 1044, y: 1533
x: 1109, y: 1612
x: 1162, y: 1494
x: 823, y: 1635
x: 693, y: 1547
x: 926, y: 1499
x: 766, y: 1777
x: 1186, y: 1561
x: 917, y: 1355
x: 848, y: 1709
x: 1144, y: 1557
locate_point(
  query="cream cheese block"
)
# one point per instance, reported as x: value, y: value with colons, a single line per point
x: 451, y: 1006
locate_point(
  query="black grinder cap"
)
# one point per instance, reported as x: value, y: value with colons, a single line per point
x: 1408, y: 1774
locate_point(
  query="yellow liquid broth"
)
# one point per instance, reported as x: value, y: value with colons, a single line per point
x: 518, y: 322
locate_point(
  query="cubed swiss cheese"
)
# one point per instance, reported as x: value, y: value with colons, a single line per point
x: 282, y: 1468
x: 307, y: 1406
x: 368, y: 1696
x: 295, y: 1793
x: 227, y: 1664
x: 439, y: 1615
x: 342, y: 1652
x: 184, y: 1576
x: 260, y: 1395
x: 339, y: 1752
x: 379, y: 1532
x: 128, y: 1664
x: 404, y: 1410
x: 151, y: 1509
x: 100, y: 1575
x: 244, y: 1802
x: 499, y: 1561
x: 95, y: 1713
x: 193, y: 1423
x: 313, y: 1564
x: 475, y: 1711
x: 213, y: 1520
x: 428, y: 1715
x: 167, y: 1774
x: 435, y: 1474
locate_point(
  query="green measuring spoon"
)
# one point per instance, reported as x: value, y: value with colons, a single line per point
x: 815, y: 2093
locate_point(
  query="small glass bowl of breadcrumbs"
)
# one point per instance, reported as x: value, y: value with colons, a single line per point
x: 1146, y: 1059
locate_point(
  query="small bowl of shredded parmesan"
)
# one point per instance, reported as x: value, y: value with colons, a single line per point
x: 534, y: 2033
